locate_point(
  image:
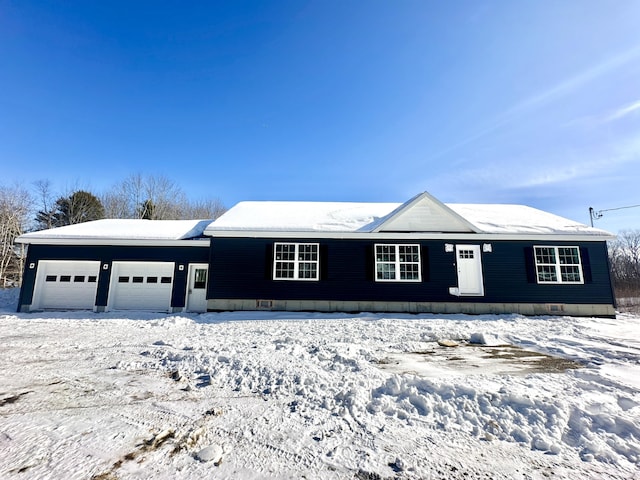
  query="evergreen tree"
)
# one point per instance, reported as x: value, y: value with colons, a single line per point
x: 147, y: 210
x: 79, y: 207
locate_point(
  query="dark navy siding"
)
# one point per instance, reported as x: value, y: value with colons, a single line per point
x: 241, y: 268
x: 108, y: 254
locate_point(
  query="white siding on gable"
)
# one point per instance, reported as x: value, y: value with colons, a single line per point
x: 425, y: 214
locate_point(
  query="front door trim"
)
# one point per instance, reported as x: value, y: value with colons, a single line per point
x: 469, y: 271
x: 196, y: 300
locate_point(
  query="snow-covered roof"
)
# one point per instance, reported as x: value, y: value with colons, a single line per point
x: 301, y: 216
x: 504, y: 218
x: 421, y: 214
x: 120, y: 229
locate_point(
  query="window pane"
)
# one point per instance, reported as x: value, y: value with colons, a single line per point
x: 200, y: 278
x: 92, y: 279
x: 152, y: 279
x: 386, y: 253
x: 570, y: 273
x: 307, y: 270
x: 165, y: 280
x: 78, y: 279
x: 137, y: 279
x: 285, y: 269
x: 285, y: 251
x: 307, y: 253
x: 123, y: 279
x: 409, y: 253
x: 568, y: 256
x: 386, y: 271
x: 545, y: 255
x: 51, y: 278
x: 409, y: 271
x: 65, y: 278
x: 547, y: 273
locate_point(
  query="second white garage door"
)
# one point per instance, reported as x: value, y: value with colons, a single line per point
x: 141, y: 286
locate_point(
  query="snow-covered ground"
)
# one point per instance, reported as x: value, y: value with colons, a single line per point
x: 317, y: 396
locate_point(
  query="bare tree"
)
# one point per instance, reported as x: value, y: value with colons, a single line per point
x: 128, y: 198
x: 155, y: 198
x: 45, y: 216
x: 115, y: 206
x: 123, y: 198
x: 167, y: 198
x: 624, y: 259
x: 15, y: 206
x: 204, y: 209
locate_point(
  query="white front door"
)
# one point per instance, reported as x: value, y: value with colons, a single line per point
x: 469, y: 264
x: 197, y: 288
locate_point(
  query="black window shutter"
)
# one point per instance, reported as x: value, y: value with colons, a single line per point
x: 369, y: 263
x: 268, y: 261
x: 530, y: 265
x: 424, y: 258
x: 324, y: 262
x: 586, y: 265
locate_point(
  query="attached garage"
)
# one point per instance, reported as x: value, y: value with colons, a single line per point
x: 66, y: 284
x: 141, y: 286
x: 117, y: 264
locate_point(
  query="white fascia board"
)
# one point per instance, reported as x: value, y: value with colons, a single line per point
x: 468, y: 237
x: 115, y: 242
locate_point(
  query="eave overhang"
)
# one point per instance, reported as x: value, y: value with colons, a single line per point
x: 444, y: 236
x: 115, y: 242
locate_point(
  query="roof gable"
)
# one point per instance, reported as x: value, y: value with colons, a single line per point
x: 424, y: 213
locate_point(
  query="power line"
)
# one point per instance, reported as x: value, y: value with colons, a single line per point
x: 593, y: 214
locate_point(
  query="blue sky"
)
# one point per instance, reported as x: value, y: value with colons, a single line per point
x: 532, y: 102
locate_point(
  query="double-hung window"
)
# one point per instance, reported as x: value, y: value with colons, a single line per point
x: 558, y: 265
x: 397, y: 263
x: 296, y: 261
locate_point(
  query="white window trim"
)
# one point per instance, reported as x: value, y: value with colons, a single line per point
x: 557, y: 266
x: 397, y: 262
x: 296, y: 261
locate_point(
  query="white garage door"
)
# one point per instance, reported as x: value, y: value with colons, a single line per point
x: 141, y: 286
x: 62, y: 284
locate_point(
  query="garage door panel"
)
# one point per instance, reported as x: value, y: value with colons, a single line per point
x: 141, y: 286
x: 62, y: 284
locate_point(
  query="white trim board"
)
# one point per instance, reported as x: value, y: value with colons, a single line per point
x: 470, y: 237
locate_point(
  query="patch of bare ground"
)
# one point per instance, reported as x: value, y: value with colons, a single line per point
x: 104, y: 476
x: 539, y: 362
x: 153, y: 443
